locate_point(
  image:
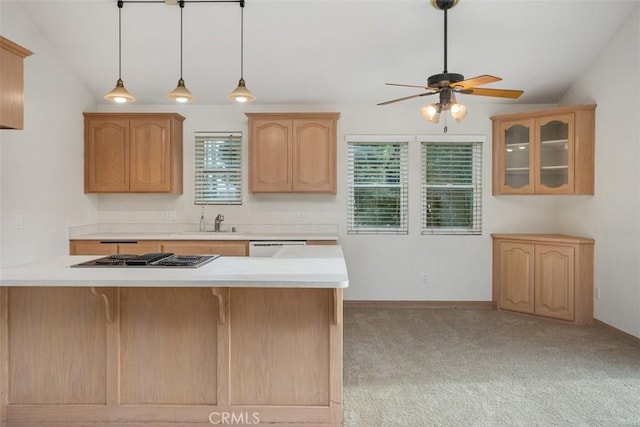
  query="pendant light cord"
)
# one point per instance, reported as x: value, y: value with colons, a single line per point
x: 445, y: 41
x: 120, y: 3
x: 181, y: 7
x: 242, y: 40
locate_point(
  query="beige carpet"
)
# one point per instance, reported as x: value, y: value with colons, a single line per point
x: 447, y: 367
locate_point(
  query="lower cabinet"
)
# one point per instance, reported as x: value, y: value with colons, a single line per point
x: 195, y: 247
x: 544, y: 275
x: 181, y: 247
x: 97, y: 247
x: 171, y: 355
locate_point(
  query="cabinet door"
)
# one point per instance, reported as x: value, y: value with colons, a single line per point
x: 150, y: 152
x: 92, y: 247
x: 314, y: 156
x: 515, y: 157
x: 224, y: 248
x: 139, y: 248
x: 554, y: 154
x: 516, y: 277
x: 270, y: 156
x: 555, y: 281
x: 12, y: 84
x: 106, y: 155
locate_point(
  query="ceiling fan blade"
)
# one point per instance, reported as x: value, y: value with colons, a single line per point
x: 406, y: 97
x: 500, y: 93
x: 475, y: 81
x: 398, y: 84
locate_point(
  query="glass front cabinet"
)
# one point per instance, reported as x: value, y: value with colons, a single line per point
x: 544, y: 152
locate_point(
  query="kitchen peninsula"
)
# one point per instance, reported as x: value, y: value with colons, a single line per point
x: 249, y: 340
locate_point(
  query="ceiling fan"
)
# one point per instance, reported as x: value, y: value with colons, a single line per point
x: 447, y: 84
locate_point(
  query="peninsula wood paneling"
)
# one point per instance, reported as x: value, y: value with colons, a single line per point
x: 168, y: 346
x: 280, y: 346
x: 57, y: 346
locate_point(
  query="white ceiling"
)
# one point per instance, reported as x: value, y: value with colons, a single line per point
x: 331, y: 51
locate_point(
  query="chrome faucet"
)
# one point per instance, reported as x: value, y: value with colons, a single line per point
x: 217, y: 222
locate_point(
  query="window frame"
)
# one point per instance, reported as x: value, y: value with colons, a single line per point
x: 402, y: 141
x: 476, y: 143
x: 235, y: 169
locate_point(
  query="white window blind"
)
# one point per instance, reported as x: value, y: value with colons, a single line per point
x: 218, y: 168
x: 451, y: 187
x: 377, y: 185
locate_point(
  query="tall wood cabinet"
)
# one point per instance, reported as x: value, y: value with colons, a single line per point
x: 544, y: 152
x: 12, y: 84
x: 292, y: 152
x: 544, y: 275
x: 133, y: 152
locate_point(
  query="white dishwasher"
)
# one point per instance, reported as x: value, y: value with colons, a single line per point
x: 270, y: 247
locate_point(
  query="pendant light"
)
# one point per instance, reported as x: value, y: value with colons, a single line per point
x: 181, y: 93
x: 241, y: 94
x: 119, y: 94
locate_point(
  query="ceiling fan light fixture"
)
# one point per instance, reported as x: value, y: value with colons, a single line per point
x: 431, y: 113
x: 458, y: 111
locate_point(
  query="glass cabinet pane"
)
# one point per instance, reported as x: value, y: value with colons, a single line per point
x: 554, y: 154
x: 516, y: 156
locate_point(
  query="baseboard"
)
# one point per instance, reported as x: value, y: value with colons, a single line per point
x: 468, y: 305
x: 631, y: 339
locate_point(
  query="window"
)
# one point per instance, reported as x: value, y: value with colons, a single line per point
x: 378, y: 187
x: 451, y: 185
x: 218, y: 169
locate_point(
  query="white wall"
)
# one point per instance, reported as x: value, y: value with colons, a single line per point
x: 41, y: 172
x: 612, y: 216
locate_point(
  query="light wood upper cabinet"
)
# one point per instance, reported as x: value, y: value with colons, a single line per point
x: 133, y: 153
x: 12, y: 84
x: 292, y: 152
x: 544, y: 152
x: 545, y: 275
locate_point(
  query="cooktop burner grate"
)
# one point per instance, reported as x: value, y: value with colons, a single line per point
x: 149, y: 260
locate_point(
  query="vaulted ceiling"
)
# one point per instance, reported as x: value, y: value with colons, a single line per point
x: 328, y: 51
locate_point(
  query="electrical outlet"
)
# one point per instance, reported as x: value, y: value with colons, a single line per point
x: 597, y: 292
x: 424, y: 279
x: 171, y: 215
x: 19, y: 222
x: 301, y: 216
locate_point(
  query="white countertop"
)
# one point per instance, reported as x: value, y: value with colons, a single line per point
x: 292, y: 267
x: 204, y: 235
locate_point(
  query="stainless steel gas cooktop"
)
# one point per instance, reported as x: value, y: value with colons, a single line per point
x: 154, y: 259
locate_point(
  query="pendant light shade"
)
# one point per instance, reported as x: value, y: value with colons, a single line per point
x: 181, y: 93
x: 241, y: 94
x: 119, y: 93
